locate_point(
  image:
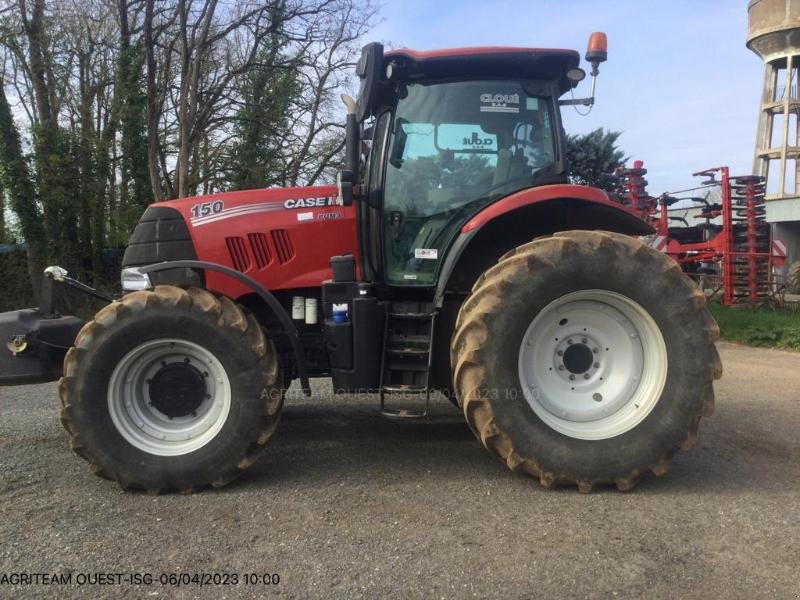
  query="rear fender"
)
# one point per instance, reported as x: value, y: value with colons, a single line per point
x: 523, y: 216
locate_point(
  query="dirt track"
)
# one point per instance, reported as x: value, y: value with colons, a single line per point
x: 347, y: 504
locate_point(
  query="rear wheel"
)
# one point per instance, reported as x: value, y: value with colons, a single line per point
x: 585, y: 358
x: 171, y: 389
x: 793, y: 278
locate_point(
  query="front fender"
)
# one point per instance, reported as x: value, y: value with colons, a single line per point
x: 248, y: 283
x: 523, y: 216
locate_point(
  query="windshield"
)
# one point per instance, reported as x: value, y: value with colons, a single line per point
x: 456, y: 147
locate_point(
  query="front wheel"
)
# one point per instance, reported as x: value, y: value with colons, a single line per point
x: 585, y: 358
x: 171, y: 389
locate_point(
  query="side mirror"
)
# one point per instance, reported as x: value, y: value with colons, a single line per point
x: 369, y: 70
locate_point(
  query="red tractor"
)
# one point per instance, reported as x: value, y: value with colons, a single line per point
x: 452, y: 256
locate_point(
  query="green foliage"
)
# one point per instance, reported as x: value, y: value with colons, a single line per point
x: 16, y: 291
x: 17, y: 182
x: 593, y: 158
x: 131, y: 106
x: 765, y: 327
x: 256, y: 159
x: 3, y: 231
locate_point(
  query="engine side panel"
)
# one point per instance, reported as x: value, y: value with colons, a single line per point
x: 283, y: 238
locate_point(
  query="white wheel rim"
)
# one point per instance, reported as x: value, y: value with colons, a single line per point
x: 142, y: 423
x: 592, y: 364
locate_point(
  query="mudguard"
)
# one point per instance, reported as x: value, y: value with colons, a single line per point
x: 524, y: 215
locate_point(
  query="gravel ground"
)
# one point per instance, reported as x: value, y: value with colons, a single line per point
x: 347, y: 504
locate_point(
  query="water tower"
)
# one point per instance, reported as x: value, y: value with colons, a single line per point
x: 774, y: 34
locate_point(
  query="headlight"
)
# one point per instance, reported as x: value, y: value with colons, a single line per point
x: 134, y: 280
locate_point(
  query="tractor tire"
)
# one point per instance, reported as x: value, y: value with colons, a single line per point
x: 793, y: 278
x: 171, y: 389
x: 585, y: 358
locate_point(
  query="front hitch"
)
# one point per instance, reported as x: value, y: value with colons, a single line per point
x: 35, y: 340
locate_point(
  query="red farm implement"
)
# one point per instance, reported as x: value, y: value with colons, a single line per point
x: 733, y: 239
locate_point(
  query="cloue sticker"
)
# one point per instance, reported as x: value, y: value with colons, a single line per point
x: 500, y: 103
x: 426, y: 253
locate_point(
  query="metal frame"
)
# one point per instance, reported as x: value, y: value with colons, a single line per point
x: 743, y: 196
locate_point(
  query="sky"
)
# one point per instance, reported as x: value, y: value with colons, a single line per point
x: 680, y: 84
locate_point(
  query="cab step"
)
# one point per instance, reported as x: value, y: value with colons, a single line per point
x: 407, y: 351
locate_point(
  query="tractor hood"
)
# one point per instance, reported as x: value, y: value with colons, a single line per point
x: 283, y: 237
x: 294, y: 203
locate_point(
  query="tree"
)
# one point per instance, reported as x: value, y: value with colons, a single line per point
x: 267, y: 93
x: 130, y: 106
x: 108, y: 105
x: 16, y: 179
x: 593, y: 158
x: 255, y: 155
x: 3, y: 234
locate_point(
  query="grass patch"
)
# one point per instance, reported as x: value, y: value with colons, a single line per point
x: 764, y: 327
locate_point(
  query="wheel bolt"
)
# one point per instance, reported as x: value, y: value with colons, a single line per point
x: 560, y: 367
x: 595, y: 350
x: 586, y: 376
x: 560, y: 353
x: 186, y: 360
x: 205, y: 373
x: 569, y: 341
x: 572, y: 377
x: 596, y: 365
x: 584, y: 340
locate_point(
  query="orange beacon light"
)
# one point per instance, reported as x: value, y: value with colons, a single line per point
x: 597, y: 50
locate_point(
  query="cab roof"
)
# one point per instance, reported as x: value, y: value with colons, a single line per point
x: 486, y: 61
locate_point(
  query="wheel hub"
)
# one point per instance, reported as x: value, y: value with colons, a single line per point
x: 592, y: 364
x: 169, y: 397
x: 177, y: 389
x: 578, y: 358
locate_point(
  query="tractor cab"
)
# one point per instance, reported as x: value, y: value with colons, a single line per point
x: 447, y: 133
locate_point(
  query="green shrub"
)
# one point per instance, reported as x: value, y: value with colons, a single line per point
x: 767, y: 327
x: 15, y: 283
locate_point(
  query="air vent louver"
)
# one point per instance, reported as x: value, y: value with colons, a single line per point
x: 260, y: 248
x: 283, y: 245
x: 238, y: 252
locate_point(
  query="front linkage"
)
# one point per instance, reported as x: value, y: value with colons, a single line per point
x: 37, y: 339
